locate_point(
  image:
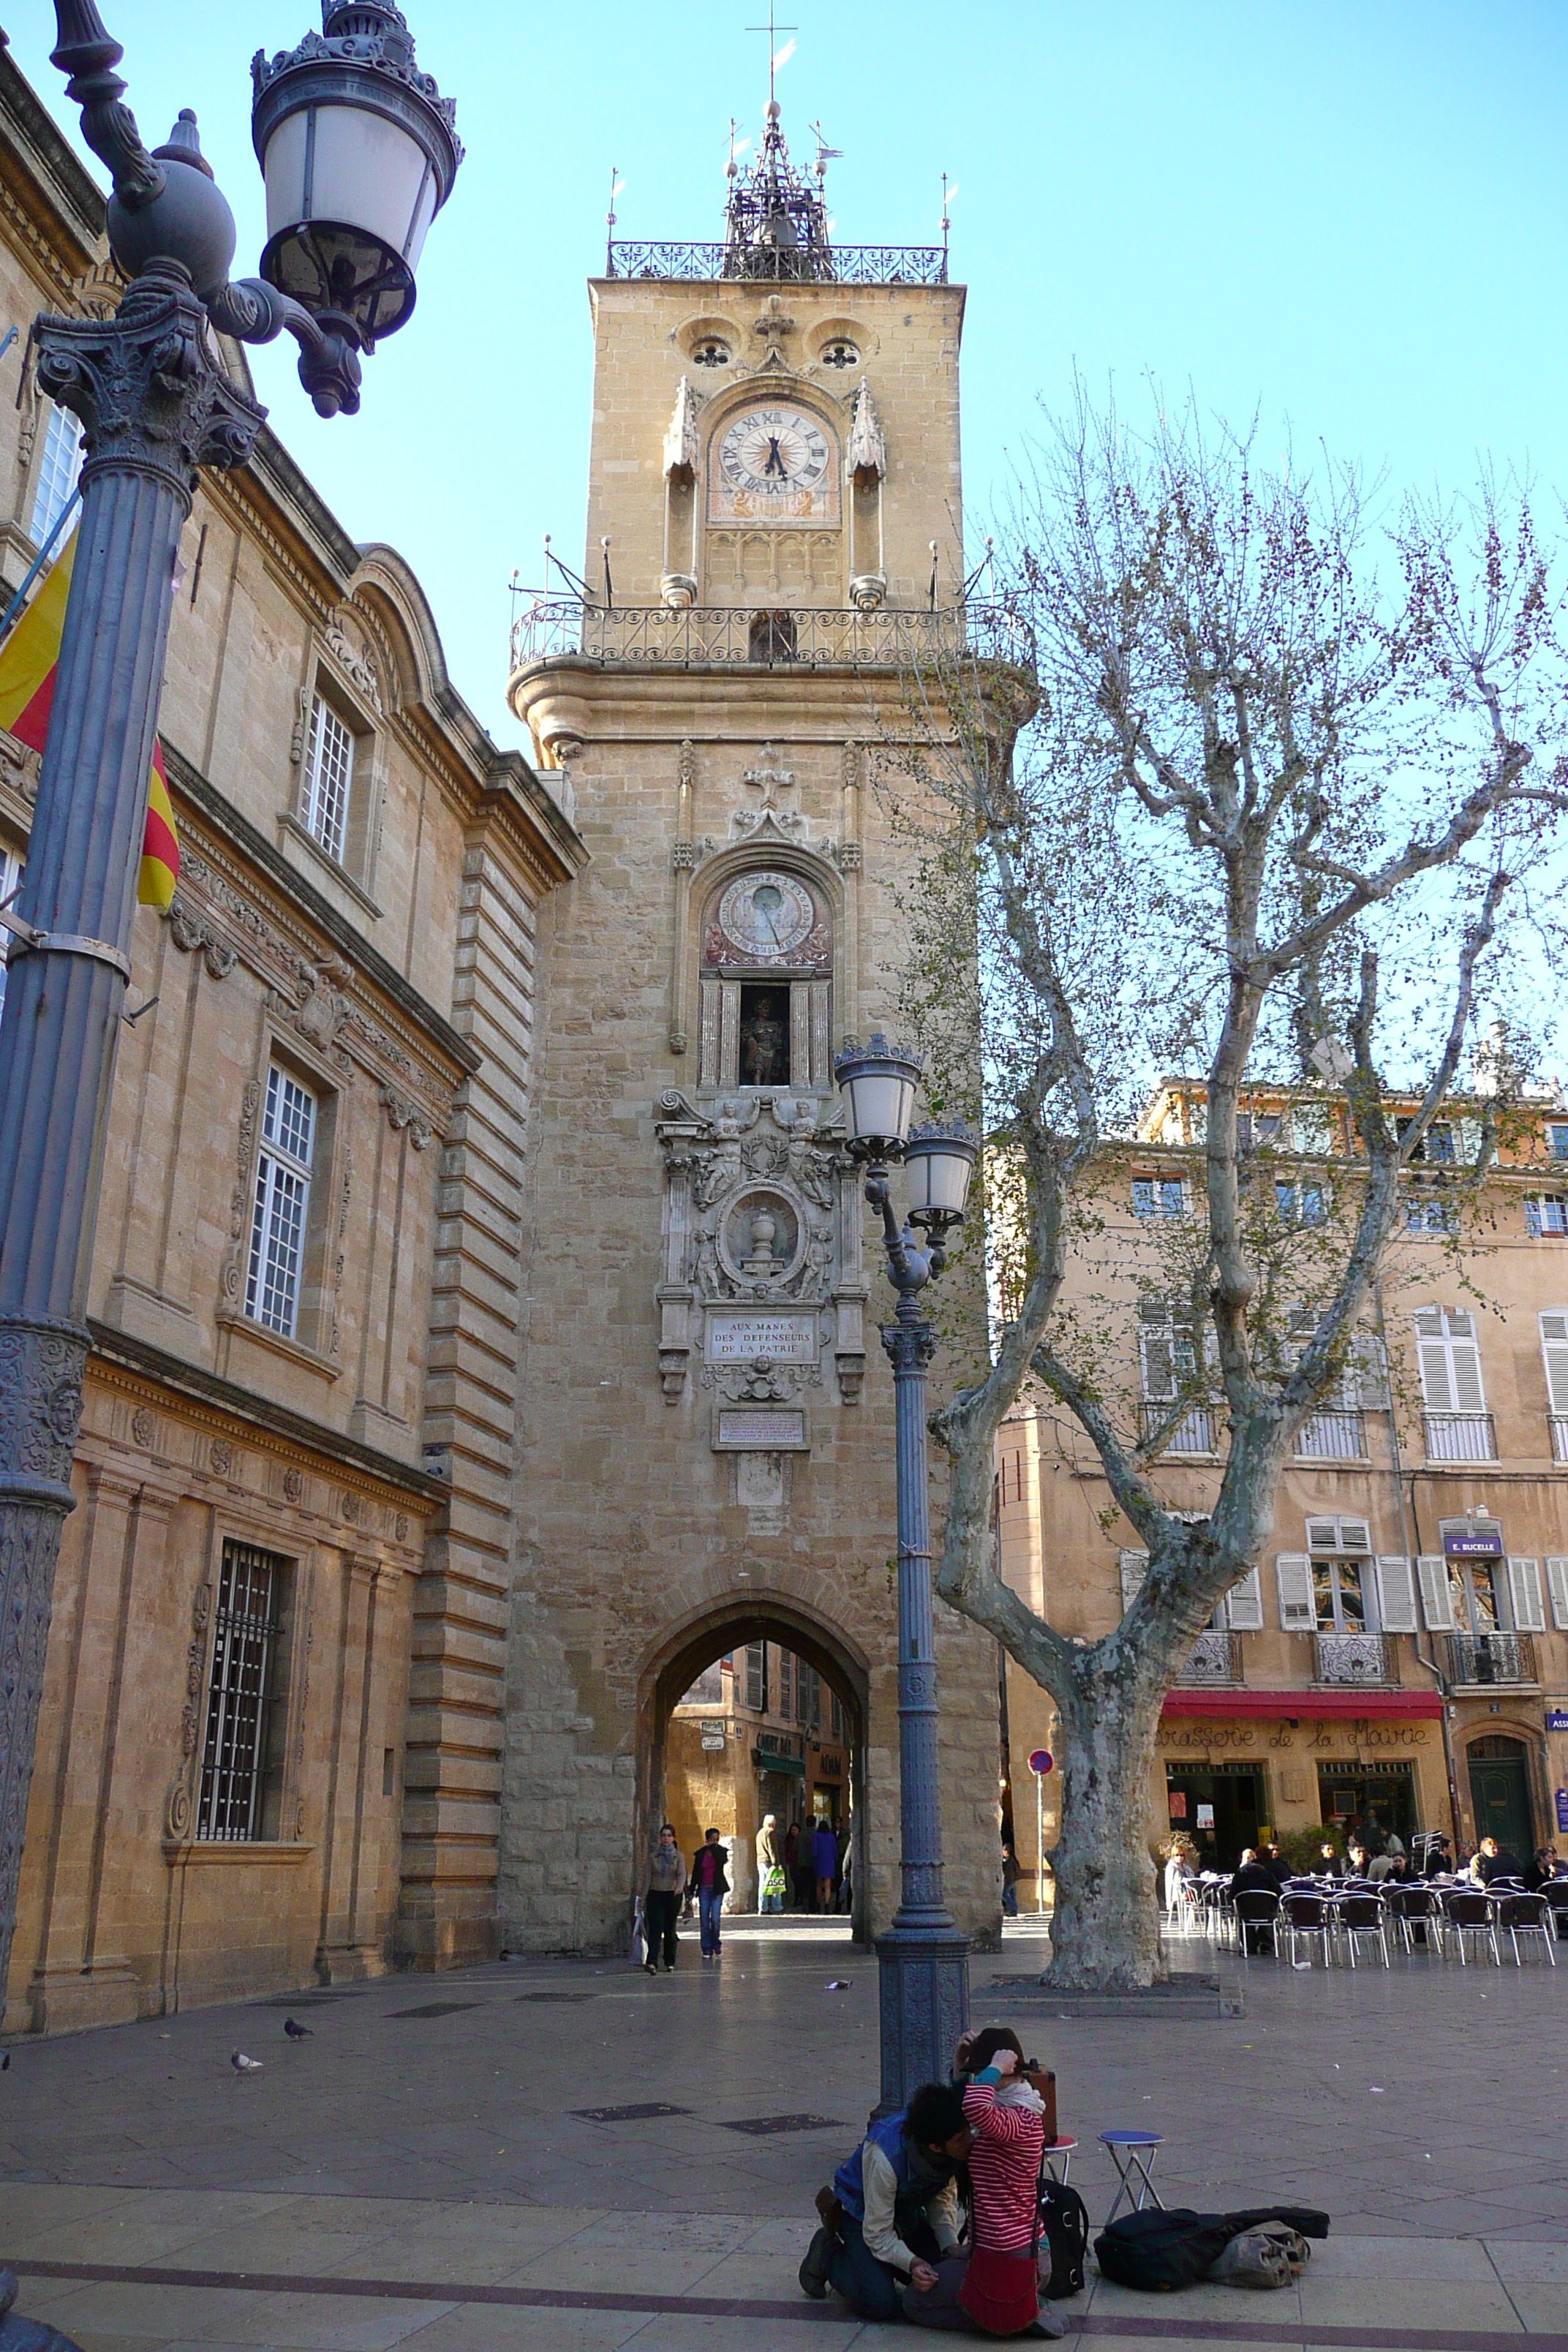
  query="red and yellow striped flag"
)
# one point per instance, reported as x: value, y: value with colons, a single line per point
x: 29, y: 661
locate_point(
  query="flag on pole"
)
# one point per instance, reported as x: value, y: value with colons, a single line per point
x: 29, y: 662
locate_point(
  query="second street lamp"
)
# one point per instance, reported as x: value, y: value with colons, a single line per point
x: 923, y: 1959
x: 155, y: 406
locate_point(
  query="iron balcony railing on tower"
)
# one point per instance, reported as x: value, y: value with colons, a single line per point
x: 701, y: 637
x: 712, y: 261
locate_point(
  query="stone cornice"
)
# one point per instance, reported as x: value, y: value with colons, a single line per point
x: 232, y: 844
x: 56, y: 203
x: 174, y: 1375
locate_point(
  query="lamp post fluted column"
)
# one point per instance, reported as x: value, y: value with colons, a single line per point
x: 924, y: 1958
x: 154, y: 407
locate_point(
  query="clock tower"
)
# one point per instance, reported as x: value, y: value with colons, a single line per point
x: 704, y: 1456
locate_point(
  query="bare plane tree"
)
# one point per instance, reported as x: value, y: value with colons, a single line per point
x: 1215, y: 797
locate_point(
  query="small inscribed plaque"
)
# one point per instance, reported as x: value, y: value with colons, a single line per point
x: 760, y: 1432
x: 742, y: 1338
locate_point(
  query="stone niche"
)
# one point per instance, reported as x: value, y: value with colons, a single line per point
x: 761, y: 1295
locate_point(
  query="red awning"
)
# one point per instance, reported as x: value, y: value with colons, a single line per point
x: 1309, y: 1707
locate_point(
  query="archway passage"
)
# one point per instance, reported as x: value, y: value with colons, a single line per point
x: 758, y: 1749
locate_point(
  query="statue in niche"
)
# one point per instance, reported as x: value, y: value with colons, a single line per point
x: 764, y: 1038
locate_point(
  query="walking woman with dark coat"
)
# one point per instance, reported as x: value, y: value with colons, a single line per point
x: 661, y: 1904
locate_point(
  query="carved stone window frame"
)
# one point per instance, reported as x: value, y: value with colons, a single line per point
x: 326, y: 676
x: 316, y: 1340
x: 283, y: 1809
x: 811, y: 988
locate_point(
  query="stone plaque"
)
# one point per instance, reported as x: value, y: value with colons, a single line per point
x: 754, y: 1430
x: 742, y: 1338
x: 711, y: 1745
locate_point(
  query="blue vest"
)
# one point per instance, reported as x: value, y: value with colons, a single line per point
x: 849, y: 2186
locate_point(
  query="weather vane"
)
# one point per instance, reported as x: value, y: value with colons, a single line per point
x: 772, y: 32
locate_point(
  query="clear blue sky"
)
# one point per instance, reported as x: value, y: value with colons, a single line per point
x: 1353, y: 215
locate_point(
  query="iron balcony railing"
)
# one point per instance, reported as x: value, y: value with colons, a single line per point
x: 700, y: 636
x: 1215, y: 1663
x: 1490, y: 1658
x: 1356, y: 1658
x: 1560, y: 1436
x: 844, y: 264
x: 1333, y: 1436
x: 1461, y: 1437
x: 1193, y: 1434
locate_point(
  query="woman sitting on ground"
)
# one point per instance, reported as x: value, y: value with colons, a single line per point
x: 992, y: 2287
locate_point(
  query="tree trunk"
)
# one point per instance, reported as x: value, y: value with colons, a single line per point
x: 1105, y: 1931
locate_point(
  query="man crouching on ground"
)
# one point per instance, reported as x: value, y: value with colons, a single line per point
x: 892, y: 2211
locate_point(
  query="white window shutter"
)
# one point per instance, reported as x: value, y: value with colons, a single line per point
x: 1396, y: 1593
x: 1436, y: 1386
x: 1524, y: 1589
x: 1155, y: 1345
x: 1436, y: 1601
x: 1366, y: 1375
x: 1354, y: 1536
x: 1293, y: 1576
x: 1555, y: 1348
x: 1322, y: 1535
x: 1135, y: 1567
x: 1557, y: 1585
x: 1245, y: 1604
x: 1469, y: 1395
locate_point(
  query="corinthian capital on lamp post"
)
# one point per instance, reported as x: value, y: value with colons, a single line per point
x: 358, y: 150
x: 924, y: 1958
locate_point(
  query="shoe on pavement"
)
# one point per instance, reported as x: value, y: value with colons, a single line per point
x: 829, y: 2212
x: 1049, y: 2325
x: 651, y: 1969
x: 814, y: 2267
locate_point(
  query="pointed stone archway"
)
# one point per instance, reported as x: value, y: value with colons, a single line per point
x: 674, y: 1664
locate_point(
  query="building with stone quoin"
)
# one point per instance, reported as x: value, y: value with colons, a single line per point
x: 1399, y: 1656
x: 482, y: 1340
x: 270, y: 1736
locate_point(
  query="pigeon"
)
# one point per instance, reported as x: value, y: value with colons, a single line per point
x: 296, y: 2033
x: 839, y: 1984
x: 242, y: 2064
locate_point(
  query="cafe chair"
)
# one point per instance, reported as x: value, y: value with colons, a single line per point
x: 1471, y: 1913
x: 1306, y: 1918
x: 1525, y: 1915
x: 1364, y: 1914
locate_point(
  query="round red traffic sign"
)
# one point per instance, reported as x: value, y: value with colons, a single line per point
x: 1040, y: 1761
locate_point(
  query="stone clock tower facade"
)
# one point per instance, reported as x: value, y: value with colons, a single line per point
x: 705, y: 1459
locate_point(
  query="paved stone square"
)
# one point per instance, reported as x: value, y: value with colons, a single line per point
x: 421, y: 2171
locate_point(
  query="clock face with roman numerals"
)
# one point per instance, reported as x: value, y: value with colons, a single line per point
x: 774, y: 464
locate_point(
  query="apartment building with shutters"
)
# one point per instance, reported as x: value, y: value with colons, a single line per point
x: 1399, y: 1654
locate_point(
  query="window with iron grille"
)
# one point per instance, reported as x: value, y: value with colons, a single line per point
x: 282, y: 1204
x: 58, y: 471
x: 1546, y: 1212
x: 245, y: 1631
x: 328, y: 776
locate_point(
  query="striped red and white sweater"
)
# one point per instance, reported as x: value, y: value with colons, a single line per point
x: 1003, y: 2166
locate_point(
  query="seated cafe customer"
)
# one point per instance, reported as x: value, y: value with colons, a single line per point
x: 891, y: 2214
x: 1491, y: 1861
x: 1253, y: 1875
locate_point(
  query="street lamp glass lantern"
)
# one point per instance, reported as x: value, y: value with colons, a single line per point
x: 878, y: 1082
x: 359, y: 151
x: 939, y: 1163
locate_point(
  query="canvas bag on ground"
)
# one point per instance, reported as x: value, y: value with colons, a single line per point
x: 1270, y: 2255
x: 1160, y: 2250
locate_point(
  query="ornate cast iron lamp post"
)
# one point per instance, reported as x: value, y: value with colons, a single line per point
x: 358, y: 152
x: 924, y: 1958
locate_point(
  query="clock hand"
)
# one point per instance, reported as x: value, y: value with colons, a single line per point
x: 776, y: 464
